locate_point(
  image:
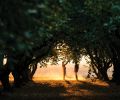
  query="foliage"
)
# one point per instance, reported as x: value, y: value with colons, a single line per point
x: 36, y: 31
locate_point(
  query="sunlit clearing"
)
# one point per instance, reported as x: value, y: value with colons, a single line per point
x: 54, y: 72
x: 11, y: 78
x: 110, y: 72
x: 4, y: 61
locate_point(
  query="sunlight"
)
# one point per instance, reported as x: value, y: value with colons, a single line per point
x: 54, y: 72
x: 56, y: 78
x: 4, y: 61
x: 11, y: 78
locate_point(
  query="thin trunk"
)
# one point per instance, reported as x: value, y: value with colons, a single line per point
x: 34, y: 68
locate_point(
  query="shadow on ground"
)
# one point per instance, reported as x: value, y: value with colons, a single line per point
x: 64, y: 90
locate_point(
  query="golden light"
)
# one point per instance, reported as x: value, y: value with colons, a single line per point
x: 54, y: 72
x: 4, y: 61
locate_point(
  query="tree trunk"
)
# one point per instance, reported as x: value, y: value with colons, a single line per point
x: 104, y: 74
x: 32, y: 70
x: 5, y: 80
x: 116, y: 72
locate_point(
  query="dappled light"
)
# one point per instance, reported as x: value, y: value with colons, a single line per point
x: 65, y: 89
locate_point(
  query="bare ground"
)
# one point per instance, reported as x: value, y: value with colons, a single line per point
x: 64, y: 90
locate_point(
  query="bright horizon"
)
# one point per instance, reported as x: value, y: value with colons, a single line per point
x: 54, y: 72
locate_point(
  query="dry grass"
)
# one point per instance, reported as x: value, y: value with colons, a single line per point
x: 67, y: 90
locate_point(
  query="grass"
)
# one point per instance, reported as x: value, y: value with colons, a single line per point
x: 65, y: 90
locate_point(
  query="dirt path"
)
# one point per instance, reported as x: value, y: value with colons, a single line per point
x: 67, y: 90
